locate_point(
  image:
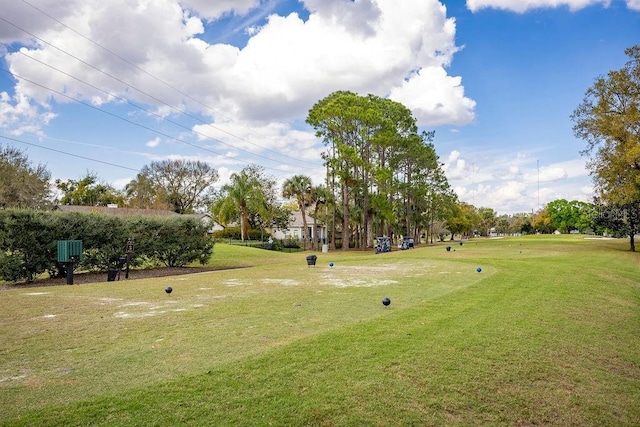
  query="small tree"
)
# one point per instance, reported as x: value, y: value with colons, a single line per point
x: 185, y: 185
x: 88, y: 191
x: 22, y: 185
x: 243, y: 194
x: 179, y: 242
x: 608, y: 119
x: 299, y: 188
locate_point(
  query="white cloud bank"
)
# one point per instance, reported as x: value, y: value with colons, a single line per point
x: 389, y: 48
x: 518, y: 184
x: 521, y: 6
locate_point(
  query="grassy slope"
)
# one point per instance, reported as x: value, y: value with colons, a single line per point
x: 546, y: 334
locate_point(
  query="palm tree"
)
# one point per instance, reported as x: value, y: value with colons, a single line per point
x: 242, y: 195
x: 320, y: 195
x: 298, y: 187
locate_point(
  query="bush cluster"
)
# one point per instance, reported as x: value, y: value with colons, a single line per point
x: 235, y: 233
x: 29, y: 241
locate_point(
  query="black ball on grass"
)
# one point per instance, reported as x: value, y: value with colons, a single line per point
x: 168, y: 289
x: 386, y: 301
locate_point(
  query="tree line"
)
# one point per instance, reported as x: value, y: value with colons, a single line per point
x: 251, y: 200
x: 383, y: 177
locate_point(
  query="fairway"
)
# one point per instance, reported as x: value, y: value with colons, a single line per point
x: 545, y: 333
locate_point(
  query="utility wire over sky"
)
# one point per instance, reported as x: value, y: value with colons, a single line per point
x: 150, y: 96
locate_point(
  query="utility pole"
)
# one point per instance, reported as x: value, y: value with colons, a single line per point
x: 538, y: 164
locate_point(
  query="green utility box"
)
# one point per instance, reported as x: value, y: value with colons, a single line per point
x: 69, y: 250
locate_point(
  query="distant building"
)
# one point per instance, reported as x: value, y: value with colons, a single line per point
x: 316, y: 230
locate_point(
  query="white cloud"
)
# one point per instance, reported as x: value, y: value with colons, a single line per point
x: 362, y: 17
x: 508, y: 182
x: 522, y: 6
x: 153, y: 143
x: 215, y: 9
x: 551, y: 174
x: 18, y: 115
x: 401, y: 49
x: 119, y: 184
x: 587, y: 190
x: 25, y: 18
x: 429, y: 92
x: 633, y: 4
x: 276, y: 144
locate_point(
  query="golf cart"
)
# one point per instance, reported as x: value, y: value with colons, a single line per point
x: 407, y: 243
x: 383, y: 244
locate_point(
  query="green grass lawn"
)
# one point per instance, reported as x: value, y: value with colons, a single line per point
x: 547, y: 333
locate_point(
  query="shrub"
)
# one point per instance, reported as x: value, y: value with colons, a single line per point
x: 29, y: 241
x: 291, y: 243
x: 234, y: 233
x: 12, y: 267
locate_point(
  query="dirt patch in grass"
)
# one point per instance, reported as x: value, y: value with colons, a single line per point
x: 87, y: 278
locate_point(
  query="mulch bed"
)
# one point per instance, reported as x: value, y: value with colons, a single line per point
x: 85, y: 278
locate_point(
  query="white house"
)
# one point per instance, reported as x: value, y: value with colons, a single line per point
x: 316, y: 231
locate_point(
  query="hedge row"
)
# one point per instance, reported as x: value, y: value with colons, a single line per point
x: 29, y: 241
x: 235, y: 233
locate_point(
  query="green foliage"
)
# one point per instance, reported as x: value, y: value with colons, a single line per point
x: 22, y: 185
x: 299, y: 188
x: 250, y: 194
x: 275, y: 245
x: 608, y: 120
x: 182, y: 184
x: 12, y: 266
x: 235, y: 233
x: 618, y: 220
x: 542, y: 222
x: 88, y: 191
x: 29, y: 241
x: 291, y: 243
x: 566, y: 216
x: 383, y: 176
x: 487, y: 219
x: 461, y: 219
x: 177, y: 242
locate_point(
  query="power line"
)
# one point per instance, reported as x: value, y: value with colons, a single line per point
x: 179, y: 110
x: 68, y: 154
x: 129, y: 121
x: 144, y: 109
x: 126, y: 61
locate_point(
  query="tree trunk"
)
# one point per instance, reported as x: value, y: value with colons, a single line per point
x: 632, y: 242
x: 305, y: 230
x: 243, y: 226
x: 333, y: 227
x: 345, y: 215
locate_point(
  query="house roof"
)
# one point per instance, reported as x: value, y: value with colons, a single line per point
x: 297, y: 220
x: 116, y: 211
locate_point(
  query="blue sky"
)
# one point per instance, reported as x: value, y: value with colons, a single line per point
x: 108, y: 87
